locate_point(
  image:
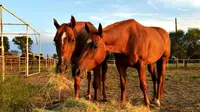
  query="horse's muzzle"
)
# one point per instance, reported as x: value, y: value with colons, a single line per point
x: 80, y: 73
x: 61, y: 69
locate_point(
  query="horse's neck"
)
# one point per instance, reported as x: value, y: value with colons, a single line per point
x: 81, y: 38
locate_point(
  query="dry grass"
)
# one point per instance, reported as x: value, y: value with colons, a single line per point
x: 182, y: 93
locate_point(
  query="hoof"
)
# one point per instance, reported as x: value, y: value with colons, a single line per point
x: 157, y: 102
x: 76, y: 98
x: 147, y: 109
x: 105, y: 99
x: 88, y: 97
x: 153, y: 100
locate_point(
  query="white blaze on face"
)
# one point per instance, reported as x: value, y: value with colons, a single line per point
x: 63, y: 37
x: 89, y: 40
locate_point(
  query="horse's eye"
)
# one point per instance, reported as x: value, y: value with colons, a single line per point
x: 73, y: 41
x: 95, y: 46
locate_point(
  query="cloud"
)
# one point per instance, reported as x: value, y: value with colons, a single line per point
x: 130, y: 15
x: 105, y: 21
x: 47, y: 36
x: 180, y: 3
x: 78, y: 2
x: 167, y: 24
x: 152, y: 5
x: 151, y: 19
x: 182, y: 9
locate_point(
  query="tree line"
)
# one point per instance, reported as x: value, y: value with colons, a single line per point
x: 184, y: 45
x: 20, y: 41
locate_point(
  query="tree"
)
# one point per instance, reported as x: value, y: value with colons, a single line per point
x: 20, y: 41
x: 55, y: 56
x: 6, y: 43
x: 177, y: 44
x: 14, y: 53
x: 185, y: 45
x: 192, y: 39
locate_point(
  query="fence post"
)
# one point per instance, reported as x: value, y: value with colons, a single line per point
x: 2, y: 45
x: 184, y: 63
x: 11, y: 63
x: 19, y: 65
x: 27, y: 55
x: 39, y: 55
x: 177, y: 62
x: 46, y: 61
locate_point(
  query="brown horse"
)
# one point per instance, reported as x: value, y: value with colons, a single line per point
x: 135, y: 46
x: 70, y: 39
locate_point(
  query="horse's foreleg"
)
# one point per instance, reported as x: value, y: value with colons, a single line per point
x: 96, y: 81
x: 151, y: 69
x: 122, y: 72
x: 89, y: 81
x: 143, y: 86
x: 77, y: 81
x: 104, y: 70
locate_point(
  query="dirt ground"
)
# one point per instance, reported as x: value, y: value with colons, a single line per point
x: 182, y: 89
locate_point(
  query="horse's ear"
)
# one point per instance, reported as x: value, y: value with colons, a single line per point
x: 100, y: 30
x: 87, y: 28
x: 56, y: 23
x: 73, y: 22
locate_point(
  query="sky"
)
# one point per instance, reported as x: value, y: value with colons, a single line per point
x: 40, y: 13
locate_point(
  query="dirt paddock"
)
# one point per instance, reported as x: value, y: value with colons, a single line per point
x: 182, y: 92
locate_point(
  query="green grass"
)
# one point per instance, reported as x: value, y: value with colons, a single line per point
x: 15, y: 95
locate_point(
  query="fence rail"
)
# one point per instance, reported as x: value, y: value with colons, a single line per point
x: 176, y: 63
x: 17, y: 65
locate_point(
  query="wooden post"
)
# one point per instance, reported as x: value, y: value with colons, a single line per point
x: 176, y: 42
x: 27, y: 55
x: 11, y: 63
x: 176, y: 62
x: 19, y: 65
x: 39, y: 55
x: 2, y: 44
x: 46, y: 62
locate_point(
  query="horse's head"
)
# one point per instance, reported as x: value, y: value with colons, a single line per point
x: 94, y: 53
x: 65, y: 43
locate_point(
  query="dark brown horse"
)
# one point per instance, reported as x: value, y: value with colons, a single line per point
x: 70, y: 39
x: 135, y: 46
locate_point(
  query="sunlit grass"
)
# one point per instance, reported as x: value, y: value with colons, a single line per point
x: 15, y: 95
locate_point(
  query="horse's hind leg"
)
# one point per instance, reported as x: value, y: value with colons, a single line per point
x: 104, y: 70
x: 89, y: 81
x: 151, y: 69
x: 161, y: 67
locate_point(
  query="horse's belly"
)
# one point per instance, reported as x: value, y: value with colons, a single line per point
x: 155, y: 53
